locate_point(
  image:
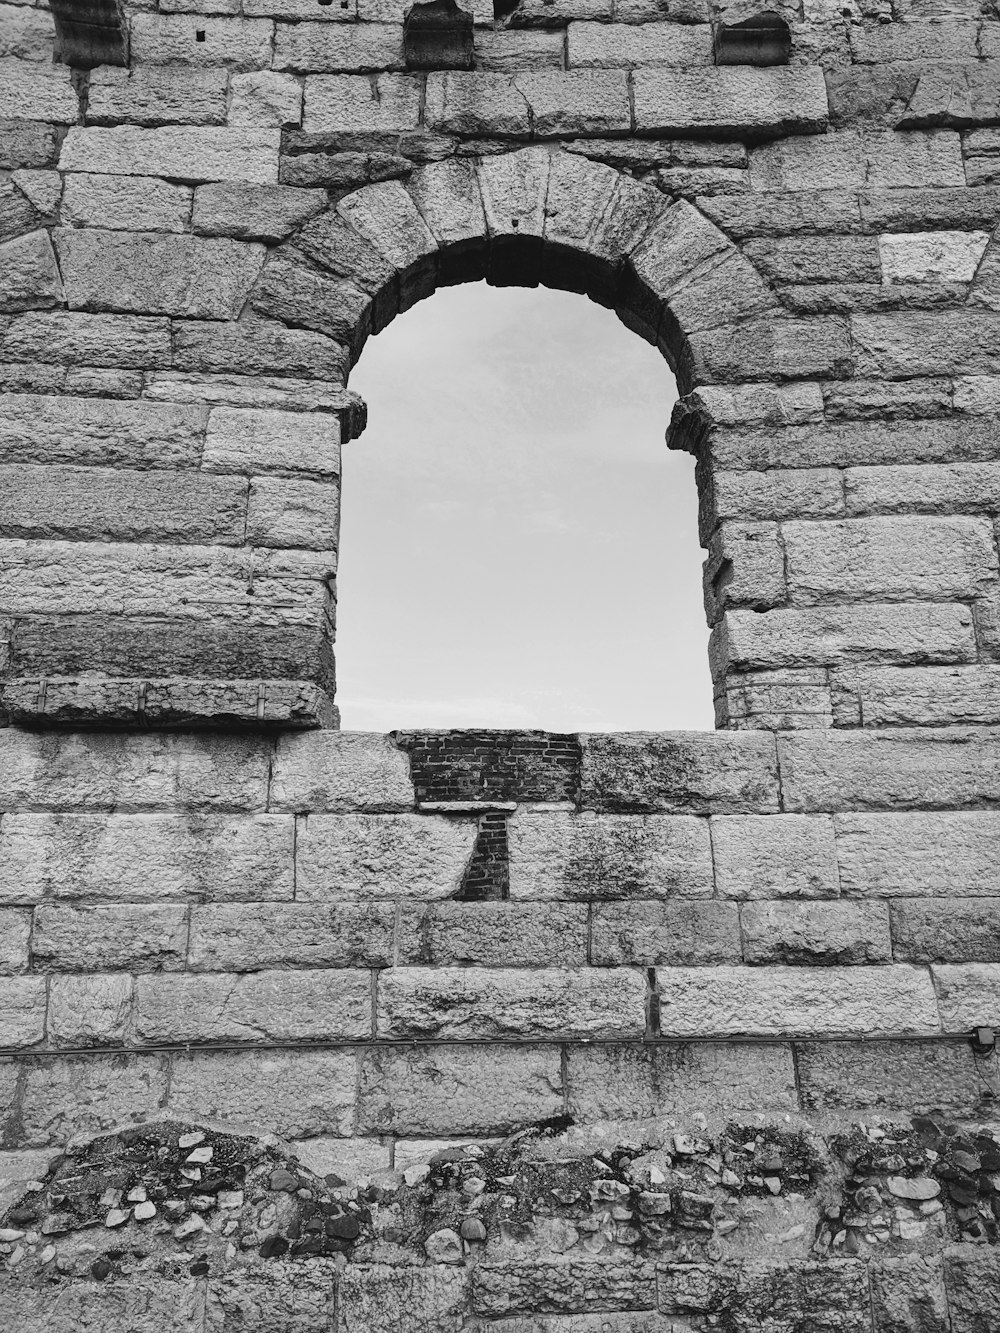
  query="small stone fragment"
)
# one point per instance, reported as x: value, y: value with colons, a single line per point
x: 116, y: 1218
x: 144, y: 1211
x: 473, y: 1229
x: 918, y: 1190
x: 189, y: 1227
x: 100, y: 1269
x: 10, y: 1234
x: 273, y: 1246
x: 283, y: 1180
x: 444, y: 1247
x: 189, y: 1140
x: 230, y: 1199
x: 773, y: 1184
x: 137, y: 1195
x: 200, y: 1156
x: 346, y: 1227
x: 413, y: 1175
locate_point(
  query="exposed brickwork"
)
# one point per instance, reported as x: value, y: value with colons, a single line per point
x: 492, y: 765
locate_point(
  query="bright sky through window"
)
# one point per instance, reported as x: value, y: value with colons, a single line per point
x: 518, y: 546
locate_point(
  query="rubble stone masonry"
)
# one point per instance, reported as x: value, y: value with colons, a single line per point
x: 309, y: 1031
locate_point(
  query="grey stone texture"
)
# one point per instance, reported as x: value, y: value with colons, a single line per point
x: 216, y: 907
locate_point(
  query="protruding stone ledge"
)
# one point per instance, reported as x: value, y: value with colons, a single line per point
x: 177, y: 702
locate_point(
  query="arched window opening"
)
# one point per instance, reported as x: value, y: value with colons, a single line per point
x: 518, y: 547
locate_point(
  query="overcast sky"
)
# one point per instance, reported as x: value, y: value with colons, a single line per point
x: 518, y: 546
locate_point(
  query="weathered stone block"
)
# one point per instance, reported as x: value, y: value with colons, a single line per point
x: 290, y: 512
x: 285, y: 1298
x: 121, y: 772
x: 145, y: 858
x: 923, y: 854
x: 156, y: 95
x: 460, y: 102
x: 571, y: 1286
x: 291, y: 1093
x: 930, y: 256
x: 49, y: 430
x: 30, y: 90
x: 647, y: 934
x: 90, y: 1011
x: 168, y: 39
x: 492, y: 934
x: 179, y: 153
x: 605, y: 46
x: 257, y: 1006
x: 448, y: 1089
x: 669, y: 1078
x: 828, y: 635
x: 952, y: 932
x: 153, y: 1303
x: 253, y: 212
x: 889, y: 770
x: 828, y: 934
x: 71, y: 338
x: 130, y: 937
x: 745, y: 567
x: 913, y: 1077
x: 69, y: 1095
x: 324, y: 48
x: 108, y: 504
x: 750, y: 1295
x: 510, y: 51
x: 340, y: 772
x: 919, y: 696
x: 254, y: 347
x: 265, y: 98
x: 774, y: 856
x: 907, y: 343
x: 797, y: 259
x: 15, y: 934
x: 151, y: 274
x: 972, y: 1282
x: 888, y: 558
x: 353, y: 103
x: 729, y: 100
x: 122, y: 203
x: 561, y: 855
x: 683, y: 771
x: 29, y: 275
x: 777, y: 494
x: 475, y: 1003
x: 780, y: 1001
x: 286, y: 443
x: 946, y: 488
x: 771, y: 349
x: 247, y: 937
x: 968, y: 995
x: 381, y: 1299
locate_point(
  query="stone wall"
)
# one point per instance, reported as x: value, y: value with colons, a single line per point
x: 321, y: 1032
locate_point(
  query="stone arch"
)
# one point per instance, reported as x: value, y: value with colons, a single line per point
x: 532, y: 216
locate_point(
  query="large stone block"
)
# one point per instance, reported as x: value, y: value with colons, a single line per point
x: 968, y: 995
x: 257, y: 1006
x: 156, y: 95
x: 382, y: 1299
x: 924, y: 854
x: 827, y: 934
x: 889, y: 770
x: 286, y: 443
x: 22, y: 1011
x: 72, y: 338
x: 492, y: 934
x: 104, y: 771
x: 68, y: 1095
x: 29, y: 274
x: 325, y: 48
x: 241, y: 937
x: 605, y: 46
x: 454, y: 1090
x: 913, y: 1077
x: 171, y: 39
x: 121, y: 203
x: 153, y: 1303
x: 90, y: 1010
x: 919, y: 696
x: 972, y: 1283
x: 30, y: 90
x: 253, y: 212
x: 296, y: 1094
x: 340, y: 772
x: 914, y: 632
x: 374, y: 856
x: 568, y: 1287
x: 717, y: 773
x: 136, y: 938
x: 946, y: 932
x: 260, y: 347
x: 203, y: 583
x: 562, y: 855
x: 808, y: 1001
x: 890, y: 558
x: 862, y: 443
x: 145, y: 273
x: 774, y: 856
x: 728, y: 100
x: 939, y: 342
x: 609, y: 1082
x: 929, y: 488
x: 292, y: 512
x: 481, y: 1003
x: 648, y: 934
x: 110, y: 504
x: 354, y: 103
x: 15, y: 935
x: 176, y: 152
x: 49, y: 430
